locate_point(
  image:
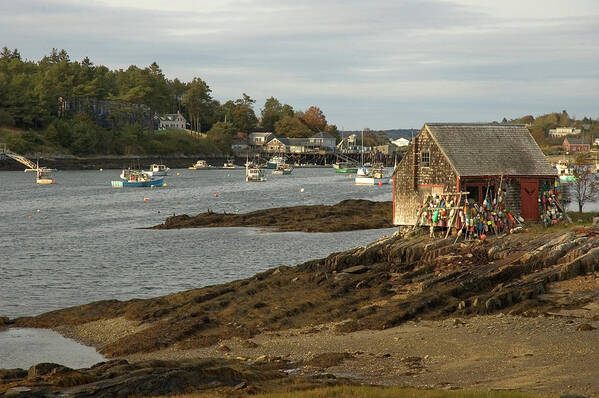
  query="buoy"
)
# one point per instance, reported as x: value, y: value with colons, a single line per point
x: 216, y: 195
x: 29, y: 217
x: 380, y: 183
x: 178, y: 173
x: 301, y: 189
x: 483, y: 237
x: 164, y: 185
x: 38, y: 210
x: 146, y: 199
x: 101, y: 169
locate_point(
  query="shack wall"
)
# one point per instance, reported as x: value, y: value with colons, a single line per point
x: 413, y: 181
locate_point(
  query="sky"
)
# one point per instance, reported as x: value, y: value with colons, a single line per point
x: 380, y: 64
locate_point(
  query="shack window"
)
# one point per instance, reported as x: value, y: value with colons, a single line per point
x: 425, y: 159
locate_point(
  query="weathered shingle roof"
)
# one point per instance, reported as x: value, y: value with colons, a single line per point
x: 476, y: 149
x: 576, y: 141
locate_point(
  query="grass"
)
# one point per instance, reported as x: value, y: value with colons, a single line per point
x: 380, y: 392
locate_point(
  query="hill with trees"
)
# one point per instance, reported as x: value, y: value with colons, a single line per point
x: 54, y: 105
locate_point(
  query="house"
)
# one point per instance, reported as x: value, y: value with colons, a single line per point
x: 259, y: 139
x: 387, y: 149
x: 562, y: 132
x: 302, y: 145
x: 239, y: 141
x: 347, y: 143
x: 172, y: 121
x: 576, y: 144
x: 278, y: 145
x: 400, y: 142
x: 324, y: 141
x: 474, y: 158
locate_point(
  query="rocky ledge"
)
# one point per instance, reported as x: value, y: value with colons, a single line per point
x: 347, y: 215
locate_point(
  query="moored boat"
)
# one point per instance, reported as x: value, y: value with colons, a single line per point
x: 345, y: 168
x: 254, y: 174
x: 43, y: 177
x: 274, y: 161
x: 376, y: 177
x: 564, y: 171
x: 157, y: 170
x: 200, y: 164
x: 283, y: 169
x: 137, y: 178
x: 228, y: 165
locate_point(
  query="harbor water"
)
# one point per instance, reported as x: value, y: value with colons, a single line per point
x: 80, y: 240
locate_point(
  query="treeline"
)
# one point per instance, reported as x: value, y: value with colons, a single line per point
x: 539, y: 126
x: 30, y: 93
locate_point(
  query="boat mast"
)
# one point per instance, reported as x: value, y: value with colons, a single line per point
x: 362, y: 155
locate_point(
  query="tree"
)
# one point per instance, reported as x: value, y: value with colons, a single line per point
x: 221, y: 134
x: 584, y: 188
x: 242, y: 114
x: 315, y: 119
x: 290, y: 126
x: 197, y: 101
x: 274, y: 111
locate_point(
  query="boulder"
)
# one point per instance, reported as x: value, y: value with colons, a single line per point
x: 45, y: 368
x: 7, y: 375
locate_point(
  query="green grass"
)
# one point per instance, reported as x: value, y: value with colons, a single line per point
x: 586, y: 218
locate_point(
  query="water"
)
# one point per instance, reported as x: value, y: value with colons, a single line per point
x: 24, y: 347
x: 83, y: 245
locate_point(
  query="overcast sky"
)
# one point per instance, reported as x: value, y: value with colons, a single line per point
x: 366, y: 63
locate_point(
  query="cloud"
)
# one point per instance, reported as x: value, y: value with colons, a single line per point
x: 397, y: 60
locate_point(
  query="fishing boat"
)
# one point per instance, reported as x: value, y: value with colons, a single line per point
x: 44, y: 177
x: 254, y: 174
x: 274, y: 161
x: 376, y: 177
x: 157, y: 170
x: 362, y: 171
x: 137, y: 178
x: 200, y: 164
x: 564, y: 171
x: 345, y: 168
x: 283, y: 169
x: 228, y: 165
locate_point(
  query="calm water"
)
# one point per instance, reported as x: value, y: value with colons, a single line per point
x: 83, y: 244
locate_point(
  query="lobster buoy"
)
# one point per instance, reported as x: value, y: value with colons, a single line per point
x: 380, y: 183
x: 483, y: 237
x: 178, y: 173
x: 436, y: 216
x: 301, y: 189
x: 216, y: 195
x: 146, y: 199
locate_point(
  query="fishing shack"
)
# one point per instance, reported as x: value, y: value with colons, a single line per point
x: 475, y: 161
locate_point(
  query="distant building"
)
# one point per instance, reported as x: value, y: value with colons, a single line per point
x: 563, y: 131
x: 240, y: 142
x: 576, y: 144
x: 346, y: 143
x: 172, y: 121
x: 386, y: 149
x: 302, y: 145
x: 260, y: 139
x: 323, y: 140
x: 278, y: 145
x: 401, y: 142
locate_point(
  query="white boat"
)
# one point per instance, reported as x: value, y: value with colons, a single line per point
x: 200, y: 164
x: 563, y: 170
x: 274, y: 161
x: 254, y: 174
x: 157, y: 170
x: 228, y: 165
x: 43, y: 177
x: 377, y: 177
x: 283, y: 169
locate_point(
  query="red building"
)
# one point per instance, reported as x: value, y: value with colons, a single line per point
x: 576, y: 144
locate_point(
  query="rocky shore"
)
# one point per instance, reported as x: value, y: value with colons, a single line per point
x: 516, y: 311
x: 347, y: 215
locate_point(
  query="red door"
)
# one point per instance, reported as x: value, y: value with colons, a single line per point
x: 529, y: 194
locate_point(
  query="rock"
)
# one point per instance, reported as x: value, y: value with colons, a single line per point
x: 18, y: 391
x: 45, y: 368
x: 357, y: 269
x: 492, y: 304
x: 7, y: 375
x: 458, y: 321
x: 249, y: 344
x: 573, y: 396
x: 4, y: 321
x: 240, y: 386
x: 224, y: 348
x: 261, y: 358
x: 386, y: 355
x: 461, y: 305
x: 584, y: 327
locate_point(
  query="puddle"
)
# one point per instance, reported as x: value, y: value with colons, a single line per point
x: 24, y: 347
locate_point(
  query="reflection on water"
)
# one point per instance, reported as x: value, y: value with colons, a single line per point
x: 83, y: 244
x: 24, y: 347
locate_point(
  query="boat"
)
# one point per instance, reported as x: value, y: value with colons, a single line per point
x: 376, y: 177
x: 157, y: 170
x: 200, y: 164
x: 283, y: 169
x: 44, y: 177
x: 137, y: 178
x: 228, y: 165
x: 345, y: 168
x: 274, y: 161
x: 564, y: 171
x: 254, y: 174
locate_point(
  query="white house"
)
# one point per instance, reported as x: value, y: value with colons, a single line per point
x: 260, y: 139
x: 401, y: 142
x: 172, y: 121
x: 563, y: 131
x: 323, y: 140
